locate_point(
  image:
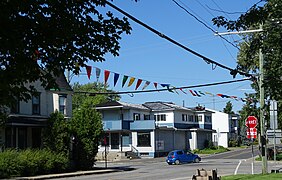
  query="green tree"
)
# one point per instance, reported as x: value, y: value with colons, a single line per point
x: 56, y: 135
x: 87, y: 128
x: 269, y: 16
x: 40, y: 39
x: 79, y: 99
x: 228, y: 108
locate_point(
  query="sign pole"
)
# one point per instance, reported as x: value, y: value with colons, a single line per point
x: 252, y: 156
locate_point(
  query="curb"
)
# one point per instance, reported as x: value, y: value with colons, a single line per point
x: 72, y: 174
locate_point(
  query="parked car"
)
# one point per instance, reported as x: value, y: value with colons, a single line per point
x: 180, y: 156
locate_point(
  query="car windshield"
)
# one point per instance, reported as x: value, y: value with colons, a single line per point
x: 171, y: 153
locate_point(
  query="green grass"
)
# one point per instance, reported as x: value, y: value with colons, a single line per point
x: 211, y: 151
x: 253, y: 177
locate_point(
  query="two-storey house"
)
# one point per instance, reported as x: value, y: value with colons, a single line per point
x: 152, y: 129
x: 23, y: 128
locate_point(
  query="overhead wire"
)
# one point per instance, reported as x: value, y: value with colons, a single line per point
x: 232, y: 71
x: 164, y: 89
x: 185, y: 9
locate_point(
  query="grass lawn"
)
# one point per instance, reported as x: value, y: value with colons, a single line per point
x: 211, y: 151
x: 253, y: 177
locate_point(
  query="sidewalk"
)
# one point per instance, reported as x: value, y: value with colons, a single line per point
x: 78, y: 173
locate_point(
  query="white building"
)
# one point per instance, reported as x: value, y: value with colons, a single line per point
x: 153, y: 128
x: 25, y: 121
x: 226, y: 127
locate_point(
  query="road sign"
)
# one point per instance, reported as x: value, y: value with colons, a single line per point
x: 252, y: 133
x: 251, y: 122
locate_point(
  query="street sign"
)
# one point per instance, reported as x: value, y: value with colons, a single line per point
x: 251, y: 122
x: 252, y: 133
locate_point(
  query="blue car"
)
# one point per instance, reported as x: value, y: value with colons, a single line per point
x: 180, y: 156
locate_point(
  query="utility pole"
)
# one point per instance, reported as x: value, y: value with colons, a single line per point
x: 261, y: 88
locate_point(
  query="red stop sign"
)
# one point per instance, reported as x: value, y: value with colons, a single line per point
x: 251, y: 122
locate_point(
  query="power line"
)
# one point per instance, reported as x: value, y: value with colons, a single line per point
x: 208, y: 60
x: 164, y: 89
x: 185, y: 9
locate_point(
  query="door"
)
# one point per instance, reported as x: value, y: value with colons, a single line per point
x: 114, y: 140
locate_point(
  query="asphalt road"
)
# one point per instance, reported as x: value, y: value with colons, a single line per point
x: 234, y: 162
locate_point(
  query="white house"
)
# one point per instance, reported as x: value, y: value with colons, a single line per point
x: 152, y: 129
x: 226, y: 127
x: 26, y: 119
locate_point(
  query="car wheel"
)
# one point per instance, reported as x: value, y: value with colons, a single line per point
x: 177, y: 162
x: 196, y: 160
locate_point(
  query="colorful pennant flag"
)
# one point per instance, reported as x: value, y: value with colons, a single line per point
x: 88, y: 71
x: 167, y: 86
x: 116, y: 76
x: 98, y: 72
x: 147, y: 83
x: 182, y: 91
x: 202, y: 93
x: 131, y: 81
x: 139, y: 81
x: 124, y: 80
x: 192, y: 93
x: 197, y: 94
x: 106, y: 76
x: 156, y: 85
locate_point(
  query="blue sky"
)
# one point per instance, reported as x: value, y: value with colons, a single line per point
x: 147, y: 56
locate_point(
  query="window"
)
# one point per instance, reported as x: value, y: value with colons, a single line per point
x: 146, y: 117
x: 196, y: 118
x: 200, y: 118
x: 15, y: 108
x: 36, y: 104
x: 191, y: 118
x: 121, y: 116
x: 179, y: 152
x: 208, y: 119
x: 160, y: 117
x: 184, y: 117
x: 62, y: 103
x: 144, y: 139
x: 136, y: 116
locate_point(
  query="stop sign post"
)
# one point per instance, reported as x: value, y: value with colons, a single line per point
x: 251, y: 123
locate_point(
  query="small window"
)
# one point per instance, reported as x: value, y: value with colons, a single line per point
x: 36, y: 104
x: 15, y: 108
x: 144, y: 139
x: 62, y: 103
x: 196, y: 118
x: 184, y: 117
x: 136, y: 116
x: 146, y: 117
x: 208, y: 119
x: 179, y: 152
x: 200, y: 118
x: 160, y: 117
x: 191, y: 118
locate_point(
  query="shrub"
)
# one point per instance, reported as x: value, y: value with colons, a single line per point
x: 31, y: 162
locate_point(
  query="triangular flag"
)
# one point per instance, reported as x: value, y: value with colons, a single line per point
x: 156, y: 85
x: 88, y: 70
x: 220, y: 95
x: 209, y: 93
x: 167, y: 86
x: 197, y: 94
x: 131, y: 81
x: 192, y: 93
x: 182, y: 90
x: 174, y: 89
x: 116, y: 76
x: 124, y: 80
x: 138, y: 83
x: 146, y: 84
x: 106, y: 75
x: 98, y: 72
x: 202, y: 93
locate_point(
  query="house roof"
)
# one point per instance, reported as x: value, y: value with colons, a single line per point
x: 118, y: 104
x: 162, y: 106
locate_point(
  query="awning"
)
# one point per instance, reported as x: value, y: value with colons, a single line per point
x: 18, y: 120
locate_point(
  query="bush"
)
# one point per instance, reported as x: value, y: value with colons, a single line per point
x: 31, y: 162
x: 232, y: 143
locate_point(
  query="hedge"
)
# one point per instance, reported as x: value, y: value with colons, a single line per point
x: 32, y: 162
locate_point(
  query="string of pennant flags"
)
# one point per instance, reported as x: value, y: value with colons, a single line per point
x: 146, y: 83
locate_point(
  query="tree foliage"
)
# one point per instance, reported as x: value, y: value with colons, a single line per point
x: 87, y: 128
x: 39, y: 39
x: 228, y: 108
x: 268, y: 16
x: 56, y: 135
x: 79, y: 99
